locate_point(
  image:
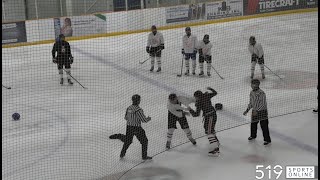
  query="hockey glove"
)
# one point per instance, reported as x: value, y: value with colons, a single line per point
x: 54, y: 60
x: 254, y: 57
x: 71, y: 59
x: 200, y: 52
x: 161, y: 46
x: 182, y: 51
x: 261, y: 60
x: 195, y: 51
x: 148, y: 50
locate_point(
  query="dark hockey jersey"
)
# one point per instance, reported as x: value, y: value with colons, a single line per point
x: 204, y: 104
x: 63, y: 50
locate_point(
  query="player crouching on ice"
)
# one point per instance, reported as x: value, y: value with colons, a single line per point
x: 205, y: 54
x: 203, y: 102
x: 177, y: 113
x: 256, y: 54
x: 63, y: 58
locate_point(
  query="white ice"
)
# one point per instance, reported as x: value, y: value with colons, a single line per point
x: 63, y: 132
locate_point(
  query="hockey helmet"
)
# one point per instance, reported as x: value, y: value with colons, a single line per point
x: 198, y: 94
x: 188, y: 29
x: 218, y: 106
x: 252, y: 40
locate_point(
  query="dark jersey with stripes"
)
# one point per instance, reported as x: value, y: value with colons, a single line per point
x: 204, y: 103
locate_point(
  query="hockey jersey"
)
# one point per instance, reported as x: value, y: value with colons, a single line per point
x: 206, y: 48
x: 155, y: 40
x: 256, y: 49
x: 204, y: 104
x: 177, y: 109
x: 189, y: 43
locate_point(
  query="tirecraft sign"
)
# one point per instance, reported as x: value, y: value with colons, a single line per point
x: 264, y: 6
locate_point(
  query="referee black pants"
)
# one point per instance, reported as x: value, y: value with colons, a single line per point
x: 141, y: 136
x: 262, y: 117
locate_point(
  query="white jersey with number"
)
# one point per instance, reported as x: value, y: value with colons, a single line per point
x: 256, y: 49
x: 189, y: 43
x: 206, y: 48
x: 155, y: 40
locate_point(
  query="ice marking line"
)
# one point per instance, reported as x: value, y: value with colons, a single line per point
x: 163, y: 86
x: 63, y: 142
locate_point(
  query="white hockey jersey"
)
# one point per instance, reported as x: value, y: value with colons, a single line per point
x: 177, y: 109
x: 256, y: 49
x: 155, y: 40
x: 189, y: 43
x: 206, y: 48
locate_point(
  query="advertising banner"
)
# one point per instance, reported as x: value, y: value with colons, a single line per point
x: 223, y: 9
x: 185, y: 13
x: 14, y: 32
x: 265, y: 6
x: 80, y: 25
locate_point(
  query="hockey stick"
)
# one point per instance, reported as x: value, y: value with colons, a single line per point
x: 216, y: 72
x: 75, y: 80
x: 179, y: 75
x: 149, y: 57
x: 272, y: 71
x: 7, y: 87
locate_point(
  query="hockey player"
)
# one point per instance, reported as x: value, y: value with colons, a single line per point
x: 63, y: 58
x: 176, y: 113
x: 135, y: 116
x: 189, y: 50
x: 203, y: 103
x: 155, y: 45
x: 204, y: 48
x: 256, y: 55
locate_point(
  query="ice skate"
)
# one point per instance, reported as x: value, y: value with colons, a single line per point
x: 159, y: 69
x: 70, y: 82
x: 201, y: 73
x: 186, y: 73
x: 215, y: 152
x: 315, y: 111
x: 209, y: 74
x: 146, y: 158
x: 151, y: 69
x: 168, y: 145
x: 193, y: 141
x: 61, y: 81
x: 266, y: 143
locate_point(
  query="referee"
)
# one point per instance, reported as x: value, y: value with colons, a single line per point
x: 134, y: 116
x: 258, y: 103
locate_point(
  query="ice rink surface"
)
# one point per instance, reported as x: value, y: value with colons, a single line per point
x: 63, y: 131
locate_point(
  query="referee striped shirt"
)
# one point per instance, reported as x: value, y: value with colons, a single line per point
x: 134, y: 116
x: 258, y: 100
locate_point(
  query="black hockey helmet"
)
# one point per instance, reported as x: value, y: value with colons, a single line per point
x: 252, y: 40
x: 153, y: 27
x: 206, y: 39
x: 206, y: 36
x: 136, y: 99
x: 188, y: 29
x: 218, y: 106
x: 61, y: 36
x: 172, y: 96
x: 198, y: 94
x: 255, y: 81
